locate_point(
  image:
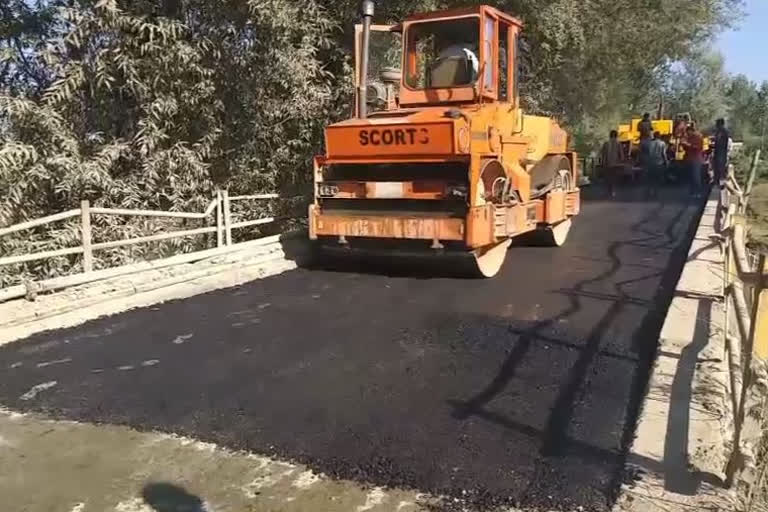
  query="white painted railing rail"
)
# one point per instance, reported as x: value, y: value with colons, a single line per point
x: 221, y: 205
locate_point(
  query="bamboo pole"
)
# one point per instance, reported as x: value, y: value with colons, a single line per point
x: 39, y: 222
x: 732, y: 345
x: 58, y: 283
x: 156, y: 213
x: 257, y: 222
x: 227, y: 218
x: 751, y: 180
x: 732, y: 183
x: 254, y: 196
x: 85, y: 234
x: 10, y: 260
x: 741, y: 309
x: 153, y: 238
x: 740, y: 252
x: 147, y: 213
x: 219, y: 220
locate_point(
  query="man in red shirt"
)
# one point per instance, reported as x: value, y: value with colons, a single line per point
x: 694, y: 158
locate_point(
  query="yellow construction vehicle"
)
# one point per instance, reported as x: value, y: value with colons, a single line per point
x: 629, y: 134
x: 440, y: 157
x: 673, y: 132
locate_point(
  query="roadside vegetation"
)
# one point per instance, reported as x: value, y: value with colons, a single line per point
x: 757, y: 211
x: 758, y: 217
x: 760, y: 502
x: 154, y: 104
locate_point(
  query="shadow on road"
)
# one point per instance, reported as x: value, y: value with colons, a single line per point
x: 678, y: 477
x: 554, y: 439
x: 166, y: 497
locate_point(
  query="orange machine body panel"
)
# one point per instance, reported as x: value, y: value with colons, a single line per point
x: 389, y: 139
x: 447, y: 164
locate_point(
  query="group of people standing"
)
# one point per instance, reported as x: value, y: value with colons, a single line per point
x: 654, y: 156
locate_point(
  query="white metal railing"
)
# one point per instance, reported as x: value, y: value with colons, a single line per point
x: 224, y: 225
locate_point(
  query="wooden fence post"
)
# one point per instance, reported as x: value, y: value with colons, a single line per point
x: 227, y: 217
x: 219, y: 220
x: 85, y: 235
x: 750, y: 181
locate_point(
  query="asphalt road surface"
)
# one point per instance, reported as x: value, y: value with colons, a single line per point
x: 522, y: 390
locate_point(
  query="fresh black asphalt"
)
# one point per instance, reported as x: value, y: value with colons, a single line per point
x: 521, y: 390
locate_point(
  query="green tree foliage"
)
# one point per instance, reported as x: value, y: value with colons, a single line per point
x: 700, y: 85
x: 138, y: 109
x: 760, y: 117
x: 748, y: 111
x: 700, y: 88
x: 154, y: 103
x: 588, y: 61
x: 742, y: 97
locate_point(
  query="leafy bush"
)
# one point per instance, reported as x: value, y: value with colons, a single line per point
x: 154, y: 103
x: 758, y: 217
x: 143, y: 110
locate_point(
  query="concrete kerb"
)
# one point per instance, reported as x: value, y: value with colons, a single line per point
x: 678, y: 457
x: 53, y: 469
x: 73, y: 306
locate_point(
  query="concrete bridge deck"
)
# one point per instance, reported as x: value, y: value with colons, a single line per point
x: 520, y: 391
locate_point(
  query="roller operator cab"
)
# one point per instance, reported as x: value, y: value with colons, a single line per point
x: 439, y: 157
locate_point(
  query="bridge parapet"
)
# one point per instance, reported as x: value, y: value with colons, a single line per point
x: 218, y: 215
x: 746, y: 301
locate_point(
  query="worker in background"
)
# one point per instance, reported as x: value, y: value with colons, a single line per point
x: 694, y: 158
x: 612, y: 160
x: 645, y: 127
x: 680, y: 127
x: 720, y: 155
x: 655, y: 163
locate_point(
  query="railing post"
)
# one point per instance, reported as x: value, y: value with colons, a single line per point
x: 85, y: 235
x: 726, y: 233
x: 219, y: 220
x: 227, y: 217
x: 750, y: 181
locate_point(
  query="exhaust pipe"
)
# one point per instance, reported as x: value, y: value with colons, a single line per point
x: 362, y: 89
